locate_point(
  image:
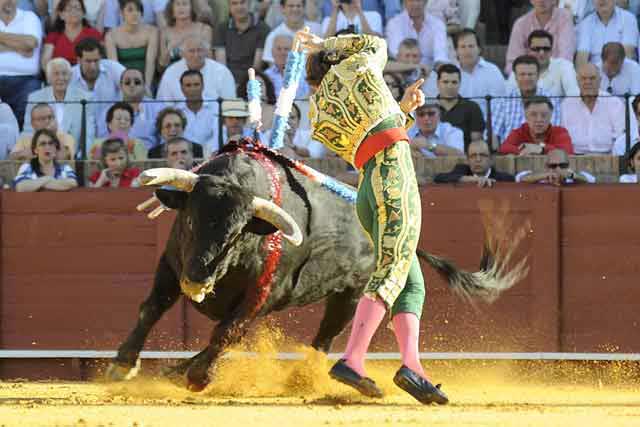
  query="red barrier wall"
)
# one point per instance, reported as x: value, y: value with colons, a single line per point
x: 75, y: 266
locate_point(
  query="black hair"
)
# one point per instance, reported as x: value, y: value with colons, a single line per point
x: 448, y: 69
x: 539, y: 34
x: 121, y: 105
x: 319, y: 64
x: 466, y: 32
x: 630, y: 155
x: 269, y: 89
x: 167, y: 111
x: 533, y: 100
x: 112, y: 145
x: 35, y: 162
x: 88, y: 45
x: 191, y: 73
x: 137, y: 3
x: 397, y: 82
x: 58, y: 25
x: 525, y: 59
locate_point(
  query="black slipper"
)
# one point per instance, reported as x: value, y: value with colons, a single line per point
x: 422, y: 390
x: 347, y: 376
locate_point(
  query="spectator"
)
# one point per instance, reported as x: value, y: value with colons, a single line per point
x: 119, y: 121
x: 545, y: 16
x: 351, y: 15
x: 463, y: 114
x: 608, y: 24
x: 202, y: 117
x: 65, y: 100
x: 115, y: 169
x: 170, y: 124
x: 509, y: 113
x: 270, y: 11
x: 537, y: 135
x: 432, y: 138
x: 448, y: 12
x: 469, y: 13
x: 633, y: 166
x: 218, y: 80
x: 112, y: 16
x: 281, y: 47
x: 234, y: 118
x: 293, y: 11
x: 179, y: 153
x: 557, y: 75
x: 415, y: 23
x: 407, y: 63
x: 239, y: 44
x: 181, y: 24
x: 134, y: 44
x: 387, y: 9
x: 43, y: 172
x: 395, y: 84
x: 70, y: 27
x: 9, y: 130
x: 297, y: 142
x: 556, y: 172
x: 618, y: 75
x: 145, y: 109
x: 99, y: 77
x: 20, y: 35
x: 43, y: 116
x: 595, y: 121
x: 636, y: 110
x: 479, y: 77
x: 478, y: 169
x: 267, y: 100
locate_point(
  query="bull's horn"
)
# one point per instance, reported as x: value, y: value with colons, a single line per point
x: 178, y: 178
x: 280, y: 219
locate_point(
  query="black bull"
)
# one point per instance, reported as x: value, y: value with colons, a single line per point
x: 216, y: 254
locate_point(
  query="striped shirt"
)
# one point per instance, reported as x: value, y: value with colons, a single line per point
x: 62, y: 171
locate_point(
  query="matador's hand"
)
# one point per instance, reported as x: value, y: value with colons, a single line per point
x: 308, y: 41
x: 413, y: 97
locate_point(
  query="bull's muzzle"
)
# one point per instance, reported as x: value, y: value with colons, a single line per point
x: 196, y: 291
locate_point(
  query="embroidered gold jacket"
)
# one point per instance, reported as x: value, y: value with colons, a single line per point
x: 353, y: 97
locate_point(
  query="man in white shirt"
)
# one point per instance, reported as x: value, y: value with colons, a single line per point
x: 20, y: 43
x: 432, y: 138
x: 595, y: 121
x: 345, y: 15
x: 281, y: 47
x: 557, y: 75
x: 97, y: 76
x: 618, y: 74
x: 609, y: 23
x: 293, y: 11
x: 414, y: 22
x: 218, y: 80
x: 9, y: 130
x: 479, y: 76
x: 202, y: 117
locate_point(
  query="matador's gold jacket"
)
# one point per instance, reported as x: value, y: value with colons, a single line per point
x: 353, y: 97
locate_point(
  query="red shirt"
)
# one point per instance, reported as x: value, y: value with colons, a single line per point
x: 126, y: 178
x: 556, y: 137
x: 65, y: 48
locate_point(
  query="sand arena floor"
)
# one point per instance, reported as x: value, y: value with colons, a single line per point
x: 266, y: 392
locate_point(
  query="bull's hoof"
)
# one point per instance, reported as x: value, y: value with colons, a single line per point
x: 196, y: 387
x: 119, y: 372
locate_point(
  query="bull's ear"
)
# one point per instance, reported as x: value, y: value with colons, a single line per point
x: 172, y: 199
x: 260, y: 227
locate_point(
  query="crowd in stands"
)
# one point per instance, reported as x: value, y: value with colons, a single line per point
x: 129, y: 80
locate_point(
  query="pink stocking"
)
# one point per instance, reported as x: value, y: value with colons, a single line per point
x: 369, y: 315
x: 406, y: 326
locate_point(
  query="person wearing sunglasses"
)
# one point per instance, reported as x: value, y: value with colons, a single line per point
x: 557, y: 75
x: 544, y: 16
x: 431, y: 137
x: 618, y: 74
x: 145, y: 109
x: 557, y: 171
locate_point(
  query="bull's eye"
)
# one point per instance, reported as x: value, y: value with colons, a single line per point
x: 190, y: 223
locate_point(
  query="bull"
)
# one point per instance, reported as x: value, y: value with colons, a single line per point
x: 254, y: 234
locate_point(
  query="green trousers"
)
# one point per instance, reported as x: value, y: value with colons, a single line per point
x: 388, y: 207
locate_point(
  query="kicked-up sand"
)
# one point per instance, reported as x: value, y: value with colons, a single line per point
x: 266, y: 392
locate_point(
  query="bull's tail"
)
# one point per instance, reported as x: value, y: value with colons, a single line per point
x: 489, y: 282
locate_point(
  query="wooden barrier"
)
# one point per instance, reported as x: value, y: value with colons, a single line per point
x: 75, y: 266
